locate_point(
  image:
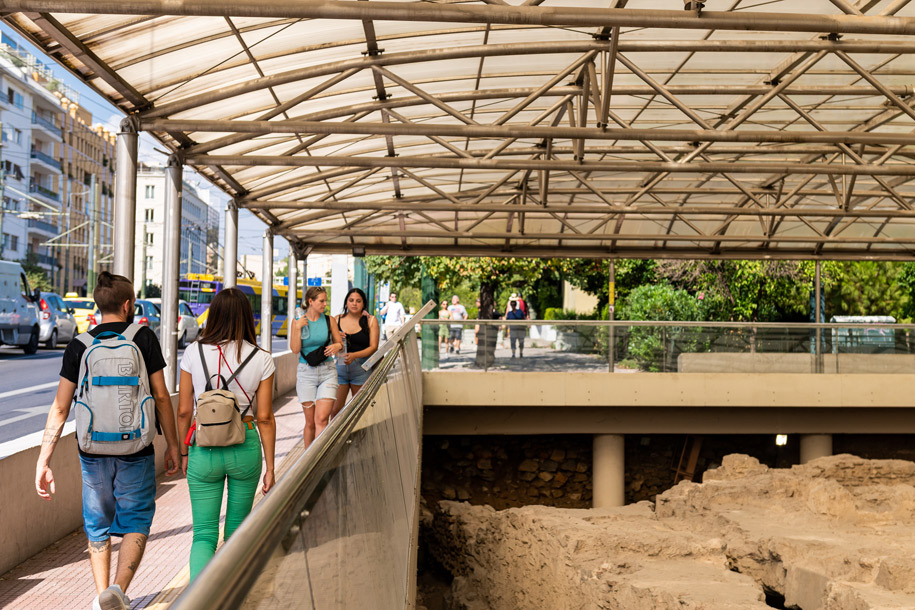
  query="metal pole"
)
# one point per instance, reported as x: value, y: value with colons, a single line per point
x: 125, y: 198
x: 91, y: 273
x: 143, y: 265
x: 817, y: 292
x: 230, y: 256
x: 267, y: 293
x: 291, y: 295
x: 611, y: 290
x: 168, y: 334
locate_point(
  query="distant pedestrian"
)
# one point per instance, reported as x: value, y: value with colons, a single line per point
x: 458, y: 312
x: 394, y: 315
x: 226, y: 350
x: 360, y: 336
x: 119, y: 489
x: 516, y: 332
x: 443, y: 314
x: 316, y: 341
x: 521, y: 305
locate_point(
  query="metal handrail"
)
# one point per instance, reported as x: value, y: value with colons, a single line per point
x: 399, y: 334
x: 228, y: 577
x: 672, y: 323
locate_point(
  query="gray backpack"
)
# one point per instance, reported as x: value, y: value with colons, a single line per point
x: 115, y: 411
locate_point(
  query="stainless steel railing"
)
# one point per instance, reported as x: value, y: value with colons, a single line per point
x: 231, y: 575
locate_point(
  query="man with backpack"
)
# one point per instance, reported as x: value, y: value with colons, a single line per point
x: 114, y: 377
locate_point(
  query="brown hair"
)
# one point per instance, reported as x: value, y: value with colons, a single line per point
x: 112, y: 291
x: 230, y: 319
x: 312, y: 293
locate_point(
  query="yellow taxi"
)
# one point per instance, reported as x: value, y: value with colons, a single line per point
x: 82, y: 309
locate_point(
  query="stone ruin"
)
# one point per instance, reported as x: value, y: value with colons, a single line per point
x: 837, y: 533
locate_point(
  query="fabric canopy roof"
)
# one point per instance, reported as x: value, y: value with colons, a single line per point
x: 746, y: 129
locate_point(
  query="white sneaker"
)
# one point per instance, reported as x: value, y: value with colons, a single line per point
x: 112, y: 598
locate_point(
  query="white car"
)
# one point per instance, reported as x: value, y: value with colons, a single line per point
x: 188, y: 329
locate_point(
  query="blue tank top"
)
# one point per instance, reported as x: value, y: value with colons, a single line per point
x: 314, y: 337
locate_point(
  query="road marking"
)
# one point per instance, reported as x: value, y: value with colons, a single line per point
x: 26, y: 413
x: 34, y: 388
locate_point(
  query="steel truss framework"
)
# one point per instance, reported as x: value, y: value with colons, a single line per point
x: 537, y: 129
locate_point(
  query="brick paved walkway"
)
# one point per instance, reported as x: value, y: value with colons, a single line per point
x: 60, y: 578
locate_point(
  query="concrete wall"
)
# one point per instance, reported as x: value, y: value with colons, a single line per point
x: 795, y: 363
x: 666, y: 403
x: 32, y: 523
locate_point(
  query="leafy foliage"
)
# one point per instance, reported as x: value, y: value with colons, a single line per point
x: 869, y: 288
x: 36, y: 274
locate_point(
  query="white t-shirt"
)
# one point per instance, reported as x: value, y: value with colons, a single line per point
x: 260, y: 368
x: 394, y: 314
x: 458, y: 312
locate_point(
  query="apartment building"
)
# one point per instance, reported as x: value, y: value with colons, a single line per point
x: 51, y: 158
x: 199, y: 228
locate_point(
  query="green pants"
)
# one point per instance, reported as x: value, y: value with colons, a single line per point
x: 208, y: 471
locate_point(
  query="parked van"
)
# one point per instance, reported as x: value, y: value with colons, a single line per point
x: 18, y: 308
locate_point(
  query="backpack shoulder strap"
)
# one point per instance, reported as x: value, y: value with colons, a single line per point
x: 241, y: 366
x: 329, y: 334
x: 131, y: 331
x: 85, y: 338
x: 206, y: 371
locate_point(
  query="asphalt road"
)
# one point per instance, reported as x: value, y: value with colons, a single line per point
x: 28, y: 384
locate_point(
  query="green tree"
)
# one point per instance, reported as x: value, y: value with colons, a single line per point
x: 654, y: 348
x: 593, y: 276
x: 869, y: 288
x: 36, y: 274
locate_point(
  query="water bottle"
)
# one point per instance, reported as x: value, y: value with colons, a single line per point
x: 299, y: 313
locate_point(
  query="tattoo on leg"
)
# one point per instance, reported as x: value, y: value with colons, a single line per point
x: 141, y: 543
x: 133, y: 566
x: 98, y: 546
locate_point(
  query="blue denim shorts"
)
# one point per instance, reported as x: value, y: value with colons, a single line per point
x: 119, y: 495
x: 353, y: 373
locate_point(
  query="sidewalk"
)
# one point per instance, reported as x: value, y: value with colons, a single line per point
x: 59, y: 578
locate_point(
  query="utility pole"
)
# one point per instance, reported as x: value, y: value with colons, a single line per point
x: 2, y: 188
x: 143, y: 265
x: 92, y: 274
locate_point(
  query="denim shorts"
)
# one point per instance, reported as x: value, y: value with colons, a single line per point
x: 316, y: 382
x: 353, y: 373
x: 119, y: 495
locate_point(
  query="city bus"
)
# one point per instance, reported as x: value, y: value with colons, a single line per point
x: 198, y: 290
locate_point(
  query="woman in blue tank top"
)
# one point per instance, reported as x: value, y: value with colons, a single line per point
x: 316, y: 340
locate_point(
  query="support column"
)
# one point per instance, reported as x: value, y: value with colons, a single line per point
x: 818, y: 309
x: 430, y: 350
x: 611, y: 293
x: 292, y: 294
x: 230, y: 253
x: 125, y: 199
x: 267, y: 293
x: 168, y: 331
x: 608, y: 472
x: 814, y: 446
x: 339, y: 283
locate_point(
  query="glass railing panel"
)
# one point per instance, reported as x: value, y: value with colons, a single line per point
x: 669, y: 347
x: 350, y: 548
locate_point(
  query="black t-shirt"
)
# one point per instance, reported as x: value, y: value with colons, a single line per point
x: 149, y: 346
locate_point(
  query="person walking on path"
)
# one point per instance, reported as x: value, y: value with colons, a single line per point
x: 394, y: 315
x: 227, y: 349
x: 516, y: 332
x: 316, y: 341
x: 360, y: 335
x: 458, y: 312
x: 119, y: 491
x: 443, y: 314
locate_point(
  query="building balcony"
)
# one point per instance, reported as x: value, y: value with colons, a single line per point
x: 45, y: 124
x: 44, y: 192
x: 43, y: 259
x: 41, y: 225
x: 46, y: 159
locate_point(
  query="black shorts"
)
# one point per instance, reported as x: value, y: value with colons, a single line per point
x: 455, y: 333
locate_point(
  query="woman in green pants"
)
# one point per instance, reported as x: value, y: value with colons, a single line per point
x: 227, y: 341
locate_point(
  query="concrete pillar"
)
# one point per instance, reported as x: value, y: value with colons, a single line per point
x: 230, y: 253
x: 430, y: 352
x: 815, y: 446
x: 291, y: 296
x: 339, y: 283
x: 609, y: 473
x: 125, y: 198
x: 267, y: 293
x: 168, y: 331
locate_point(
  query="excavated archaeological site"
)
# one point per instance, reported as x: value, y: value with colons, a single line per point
x: 837, y: 533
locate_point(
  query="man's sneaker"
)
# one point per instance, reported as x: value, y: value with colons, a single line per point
x: 113, y: 598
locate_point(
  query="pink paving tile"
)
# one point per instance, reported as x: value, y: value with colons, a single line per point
x: 59, y: 577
